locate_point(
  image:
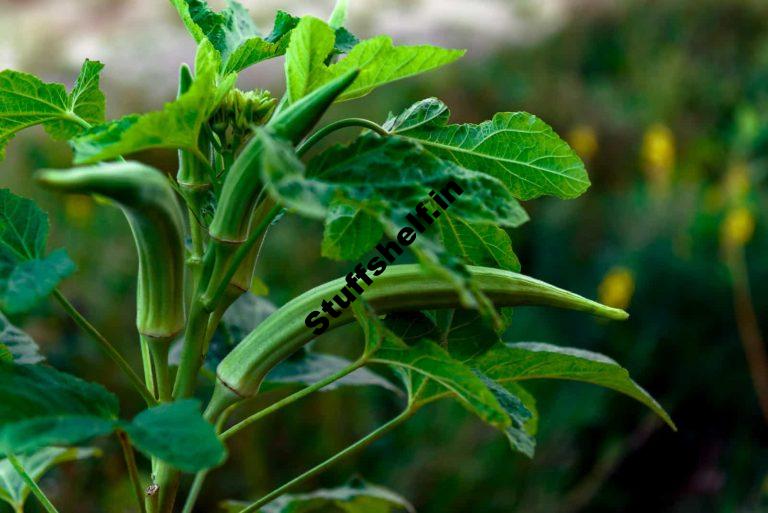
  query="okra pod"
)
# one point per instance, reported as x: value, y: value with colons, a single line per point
x: 401, y: 288
x: 242, y: 185
x: 156, y: 221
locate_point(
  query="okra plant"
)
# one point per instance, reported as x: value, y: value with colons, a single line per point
x: 444, y: 193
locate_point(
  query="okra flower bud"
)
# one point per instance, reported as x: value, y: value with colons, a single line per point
x: 242, y: 184
x: 156, y: 221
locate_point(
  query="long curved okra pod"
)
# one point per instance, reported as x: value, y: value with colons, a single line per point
x: 157, y: 224
x: 402, y: 287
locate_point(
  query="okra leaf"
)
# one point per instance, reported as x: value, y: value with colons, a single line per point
x: 177, y: 434
x: 233, y: 32
x: 464, y: 335
x: 430, y: 360
x: 26, y: 101
x: 23, y: 228
x: 378, y: 60
x: 519, y: 149
x: 519, y: 415
x: 20, y: 346
x: 309, y: 367
x: 14, y: 490
x: 513, y: 362
x: 477, y: 244
x: 349, y: 231
x: 176, y: 126
x: 31, y: 280
x: 357, y: 496
x: 42, y: 407
x: 26, y: 273
x: 384, y: 179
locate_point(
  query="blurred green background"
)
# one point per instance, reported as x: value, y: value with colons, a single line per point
x: 666, y: 101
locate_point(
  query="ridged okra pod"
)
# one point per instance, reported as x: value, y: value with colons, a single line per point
x: 242, y: 184
x: 156, y: 221
x: 401, y: 288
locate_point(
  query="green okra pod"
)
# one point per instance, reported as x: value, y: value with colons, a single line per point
x: 401, y: 288
x: 242, y: 185
x: 156, y: 221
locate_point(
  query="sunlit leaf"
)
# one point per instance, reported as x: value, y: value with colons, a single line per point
x: 26, y: 101
x: 378, y: 60
x: 519, y: 149
x: 176, y: 126
x: 234, y: 34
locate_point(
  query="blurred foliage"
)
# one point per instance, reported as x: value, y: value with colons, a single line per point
x: 667, y: 102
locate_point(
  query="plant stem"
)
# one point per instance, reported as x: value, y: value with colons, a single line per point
x: 359, y: 445
x: 291, y: 399
x: 50, y: 508
x: 194, y: 491
x: 749, y: 328
x: 133, y: 471
x: 149, y: 372
x: 239, y: 256
x: 158, y: 349
x: 338, y: 125
x: 197, y: 483
x: 106, y: 346
x: 192, y: 351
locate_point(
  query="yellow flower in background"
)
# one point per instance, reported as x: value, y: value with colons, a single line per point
x: 617, y: 288
x: 78, y: 209
x: 737, y: 228
x: 658, y: 154
x: 583, y: 140
x: 736, y: 181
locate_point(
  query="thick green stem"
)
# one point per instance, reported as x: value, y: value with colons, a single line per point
x: 159, y: 351
x: 107, y: 347
x: 338, y: 125
x: 133, y: 471
x: 50, y: 508
x: 215, y: 293
x: 292, y: 398
x: 192, y: 351
x: 322, y: 467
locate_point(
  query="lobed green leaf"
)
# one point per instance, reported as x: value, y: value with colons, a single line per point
x: 380, y: 62
x: 513, y: 362
x: 176, y: 126
x: 26, y: 101
x: 42, y: 407
x: 26, y: 273
x: 519, y: 149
